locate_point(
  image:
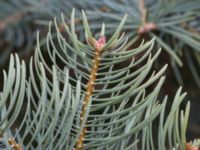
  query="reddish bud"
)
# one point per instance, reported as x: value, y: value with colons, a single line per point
x: 147, y: 27
x: 100, y: 43
x: 190, y: 147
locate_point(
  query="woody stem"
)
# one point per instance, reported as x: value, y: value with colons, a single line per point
x: 143, y: 11
x: 89, y: 92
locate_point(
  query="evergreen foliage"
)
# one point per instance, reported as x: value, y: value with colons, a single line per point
x: 91, y: 85
x: 121, y: 112
x: 174, y: 23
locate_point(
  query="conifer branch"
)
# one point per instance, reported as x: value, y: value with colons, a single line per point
x: 146, y: 26
x: 126, y: 109
x: 98, y: 45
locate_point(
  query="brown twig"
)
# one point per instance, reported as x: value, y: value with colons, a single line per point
x: 14, y: 144
x: 98, y: 45
x: 143, y: 11
x: 146, y: 26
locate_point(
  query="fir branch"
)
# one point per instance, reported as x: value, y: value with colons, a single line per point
x: 98, y: 46
x: 146, y: 26
x: 165, y: 19
x: 99, y: 104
